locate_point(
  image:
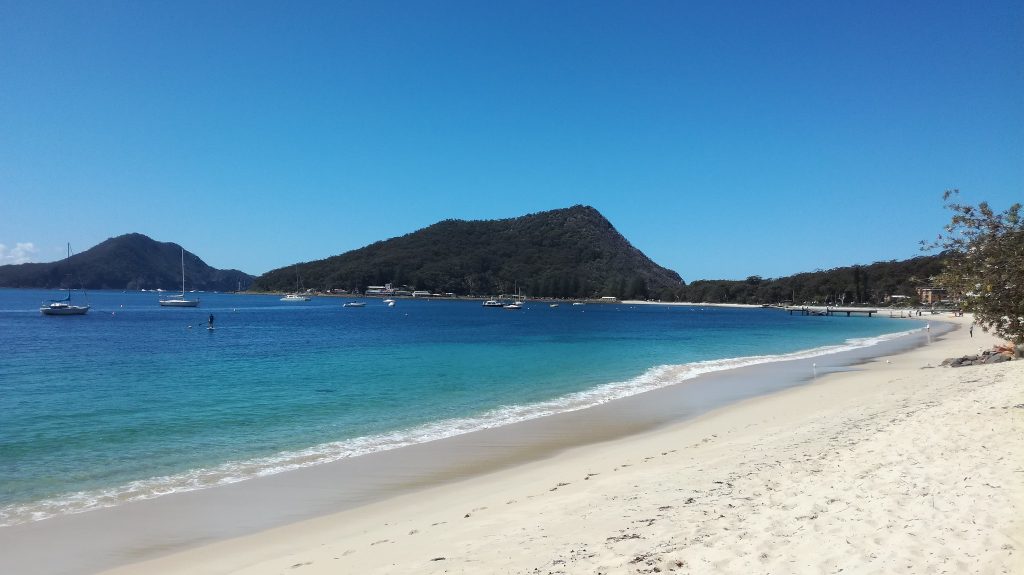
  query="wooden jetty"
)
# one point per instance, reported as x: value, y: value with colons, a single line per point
x: 828, y: 310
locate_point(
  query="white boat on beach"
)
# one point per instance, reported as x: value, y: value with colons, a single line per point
x: 64, y: 306
x: 181, y: 300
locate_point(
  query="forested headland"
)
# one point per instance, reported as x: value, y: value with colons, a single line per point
x: 127, y: 262
x: 567, y: 253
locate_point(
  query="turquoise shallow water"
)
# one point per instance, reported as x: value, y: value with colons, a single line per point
x: 130, y: 402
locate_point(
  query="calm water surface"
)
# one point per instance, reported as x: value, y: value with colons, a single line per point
x: 134, y: 400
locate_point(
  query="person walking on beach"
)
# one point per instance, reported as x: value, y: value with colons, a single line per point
x: 971, y: 331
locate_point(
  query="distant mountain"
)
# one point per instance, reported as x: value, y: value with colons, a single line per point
x: 131, y: 261
x: 572, y: 252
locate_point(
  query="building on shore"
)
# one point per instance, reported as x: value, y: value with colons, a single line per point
x: 930, y: 295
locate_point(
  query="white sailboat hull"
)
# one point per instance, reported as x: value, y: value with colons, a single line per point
x: 179, y: 303
x: 64, y: 306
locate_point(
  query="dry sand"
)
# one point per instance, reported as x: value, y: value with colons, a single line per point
x: 898, y: 467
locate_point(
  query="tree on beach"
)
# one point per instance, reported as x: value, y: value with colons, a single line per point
x: 985, y: 264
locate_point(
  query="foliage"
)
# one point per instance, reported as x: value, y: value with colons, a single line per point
x: 986, y: 266
x: 568, y: 253
x: 859, y: 284
x: 130, y: 261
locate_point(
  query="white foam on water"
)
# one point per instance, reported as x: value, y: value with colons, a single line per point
x: 233, y: 472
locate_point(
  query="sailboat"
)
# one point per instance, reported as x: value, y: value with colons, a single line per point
x: 517, y: 301
x: 296, y: 296
x: 64, y: 306
x: 180, y: 301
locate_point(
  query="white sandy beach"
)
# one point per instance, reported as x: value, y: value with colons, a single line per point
x: 900, y: 466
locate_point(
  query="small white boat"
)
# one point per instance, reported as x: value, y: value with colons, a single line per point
x: 354, y: 304
x: 180, y: 301
x: 578, y: 303
x: 553, y: 305
x: 493, y: 303
x: 64, y: 306
x: 518, y: 300
x: 390, y: 302
x: 295, y: 297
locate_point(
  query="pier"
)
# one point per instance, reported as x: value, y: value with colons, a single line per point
x: 829, y: 310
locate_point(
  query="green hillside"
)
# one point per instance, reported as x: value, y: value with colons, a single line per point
x: 851, y: 284
x: 572, y: 252
x: 131, y: 261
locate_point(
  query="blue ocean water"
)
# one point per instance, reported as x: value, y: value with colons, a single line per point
x: 135, y: 401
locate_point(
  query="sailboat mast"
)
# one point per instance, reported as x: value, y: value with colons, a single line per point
x: 183, y: 273
x: 69, y: 279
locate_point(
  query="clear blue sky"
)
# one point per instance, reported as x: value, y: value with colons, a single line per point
x: 724, y: 139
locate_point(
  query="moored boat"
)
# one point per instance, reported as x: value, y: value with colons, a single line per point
x: 295, y: 297
x: 181, y: 300
x: 64, y: 306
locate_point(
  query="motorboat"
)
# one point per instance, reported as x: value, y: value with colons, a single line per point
x: 295, y: 297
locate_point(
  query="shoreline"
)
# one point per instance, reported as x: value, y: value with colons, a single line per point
x: 492, y: 454
x: 646, y: 500
x: 646, y: 414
